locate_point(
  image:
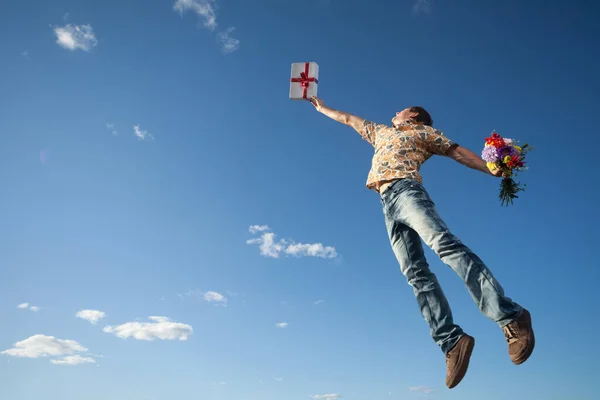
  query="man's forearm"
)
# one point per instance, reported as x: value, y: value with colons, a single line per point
x: 467, y: 158
x: 340, y: 116
x: 336, y: 115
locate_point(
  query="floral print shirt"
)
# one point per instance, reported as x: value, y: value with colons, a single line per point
x: 401, y: 150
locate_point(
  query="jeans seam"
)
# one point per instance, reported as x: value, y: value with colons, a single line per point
x: 481, y: 270
x: 407, y: 257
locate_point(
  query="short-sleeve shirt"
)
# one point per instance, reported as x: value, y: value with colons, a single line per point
x: 401, y: 150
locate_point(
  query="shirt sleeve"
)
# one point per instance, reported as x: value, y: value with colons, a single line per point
x: 369, y: 130
x: 437, y: 143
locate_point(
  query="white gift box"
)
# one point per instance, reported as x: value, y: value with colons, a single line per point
x: 304, y: 81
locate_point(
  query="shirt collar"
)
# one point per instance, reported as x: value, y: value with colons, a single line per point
x: 409, y: 122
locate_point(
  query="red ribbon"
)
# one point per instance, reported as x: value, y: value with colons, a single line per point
x: 304, y: 80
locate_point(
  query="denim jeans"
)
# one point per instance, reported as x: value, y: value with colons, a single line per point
x: 410, y: 216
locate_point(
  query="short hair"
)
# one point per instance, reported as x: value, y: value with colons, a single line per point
x: 422, y: 115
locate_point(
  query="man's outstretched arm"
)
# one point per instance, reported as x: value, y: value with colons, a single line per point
x: 345, y: 118
x: 468, y: 158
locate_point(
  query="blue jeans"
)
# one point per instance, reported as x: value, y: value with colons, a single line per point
x: 410, y: 216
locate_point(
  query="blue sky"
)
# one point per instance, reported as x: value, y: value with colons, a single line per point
x: 139, y: 143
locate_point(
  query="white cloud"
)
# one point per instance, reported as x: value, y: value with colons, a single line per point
x: 332, y: 396
x: 258, y: 228
x: 43, y: 346
x: 273, y: 249
x: 210, y: 296
x: 311, y: 250
x: 160, y: 328
x: 92, y: 316
x: 25, y: 306
x: 215, y: 297
x: 319, y: 302
x: 278, y: 379
x: 281, y: 325
x: 73, y: 360
x: 141, y: 134
x: 205, y: 9
x: 421, y: 389
x: 74, y: 37
x: 229, y: 43
x: 422, y: 6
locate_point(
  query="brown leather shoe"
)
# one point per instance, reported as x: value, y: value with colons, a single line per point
x: 520, y: 338
x: 457, y: 360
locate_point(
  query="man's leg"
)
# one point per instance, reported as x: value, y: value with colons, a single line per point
x: 432, y: 302
x: 414, y: 207
x: 434, y: 306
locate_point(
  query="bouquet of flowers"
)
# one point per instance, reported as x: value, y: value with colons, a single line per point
x: 505, y: 154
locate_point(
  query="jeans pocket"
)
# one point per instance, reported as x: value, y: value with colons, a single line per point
x: 417, y: 193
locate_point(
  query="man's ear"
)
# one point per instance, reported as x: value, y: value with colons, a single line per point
x: 413, y: 115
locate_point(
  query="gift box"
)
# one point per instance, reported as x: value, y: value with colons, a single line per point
x: 304, y: 81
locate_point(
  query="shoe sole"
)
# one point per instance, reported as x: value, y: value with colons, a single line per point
x: 466, y: 356
x: 529, y: 351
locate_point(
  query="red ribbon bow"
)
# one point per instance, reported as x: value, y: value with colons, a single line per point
x: 304, y: 80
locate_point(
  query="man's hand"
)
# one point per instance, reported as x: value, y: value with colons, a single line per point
x: 318, y: 103
x: 497, y: 172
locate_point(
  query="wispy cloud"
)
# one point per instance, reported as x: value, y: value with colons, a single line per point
x: 141, y: 134
x: 76, y: 37
x: 281, y: 325
x: 331, y: 396
x: 161, y: 328
x: 205, y: 9
x: 212, y: 297
x: 73, y: 360
x: 274, y: 249
x: 422, y: 6
x: 215, y: 297
x: 45, y: 156
x: 421, y: 389
x: 27, y: 306
x: 92, y: 316
x: 25, y: 54
x: 258, y: 228
x: 229, y: 43
x: 48, y: 346
x: 111, y: 128
x: 316, y: 303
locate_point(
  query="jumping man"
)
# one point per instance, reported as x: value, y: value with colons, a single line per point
x: 410, y: 216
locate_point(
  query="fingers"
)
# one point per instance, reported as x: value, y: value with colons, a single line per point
x: 315, y: 102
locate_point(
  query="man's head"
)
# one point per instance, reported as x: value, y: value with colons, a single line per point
x: 416, y: 114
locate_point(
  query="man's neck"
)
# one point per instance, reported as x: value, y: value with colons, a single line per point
x: 406, y: 121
